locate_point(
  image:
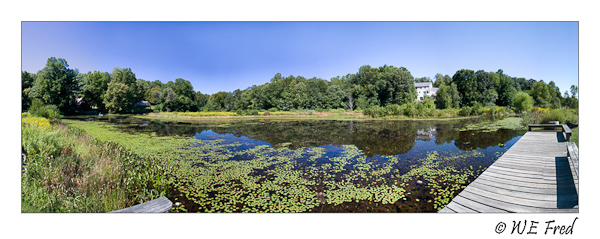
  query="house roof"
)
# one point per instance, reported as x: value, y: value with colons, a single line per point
x: 143, y: 103
x: 423, y: 84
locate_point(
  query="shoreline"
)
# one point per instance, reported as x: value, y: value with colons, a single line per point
x: 319, y: 116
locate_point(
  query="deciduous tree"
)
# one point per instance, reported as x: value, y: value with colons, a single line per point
x: 466, y: 82
x: 27, y: 80
x: 523, y: 101
x: 116, y: 98
x: 96, y: 85
x: 55, y: 84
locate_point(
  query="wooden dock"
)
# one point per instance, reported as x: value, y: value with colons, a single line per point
x: 536, y: 175
x: 159, y: 205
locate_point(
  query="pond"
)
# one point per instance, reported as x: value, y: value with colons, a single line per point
x: 266, y: 165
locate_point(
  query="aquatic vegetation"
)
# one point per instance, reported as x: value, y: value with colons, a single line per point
x: 289, y: 180
x: 221, y: 169
x: 443, y: 176
x: 490, y: 126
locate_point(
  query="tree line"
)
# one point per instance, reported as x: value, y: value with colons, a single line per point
x: 121, y: 92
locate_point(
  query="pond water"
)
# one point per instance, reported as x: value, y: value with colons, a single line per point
x: 324, y: 165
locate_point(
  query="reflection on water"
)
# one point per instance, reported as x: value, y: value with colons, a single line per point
x: 408, y: 140
x: 372, y: 137
x: 426, y: 134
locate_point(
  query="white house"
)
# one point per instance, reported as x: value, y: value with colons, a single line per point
x: 142, y: 103
x: 425, y: 89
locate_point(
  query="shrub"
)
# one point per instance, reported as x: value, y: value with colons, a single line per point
x: 425, y: 108
x: 393, y: 109
x: 465, y: 111
x: 246, y: 112
x: 375, y: 111
x: 367, y: 111
x: 47, y: 111
x: 409, y: 109
x: 39, y: 141
x: 490, y: 110
x: 505, y: 110
x: 544, y: 116
x: 531, y: 117
x: 477, y: 109
x: 497, y: 110
x: 553, y: 115
x: 561, y: 115
x: 574, y: 111
x: 523, y: 101
x: 447, y: 112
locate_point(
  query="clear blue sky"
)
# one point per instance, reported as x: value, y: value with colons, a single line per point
x: 225, y: 56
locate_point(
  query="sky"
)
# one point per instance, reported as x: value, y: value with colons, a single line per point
x: 225, y: 56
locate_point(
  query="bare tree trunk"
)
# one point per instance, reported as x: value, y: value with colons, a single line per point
x: 350, y: 102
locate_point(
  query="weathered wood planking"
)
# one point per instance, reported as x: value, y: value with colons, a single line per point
x: 534, y: 176
x: 158, y: 205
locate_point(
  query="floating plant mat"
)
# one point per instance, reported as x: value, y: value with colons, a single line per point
x: 284, y: 180
x: 314, y: 166
x: 513, y: 123
x: 218, y: 176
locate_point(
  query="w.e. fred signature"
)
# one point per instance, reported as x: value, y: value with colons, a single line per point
x: 533, y: 227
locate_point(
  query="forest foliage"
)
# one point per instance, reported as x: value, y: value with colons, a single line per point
x: 372, y: 89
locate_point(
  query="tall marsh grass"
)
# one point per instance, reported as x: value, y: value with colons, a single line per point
x: 545, y: 115
x: 67, y: 170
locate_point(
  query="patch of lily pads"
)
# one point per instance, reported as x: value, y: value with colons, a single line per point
x: 284, y: 180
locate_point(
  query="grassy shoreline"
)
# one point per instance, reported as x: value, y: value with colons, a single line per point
x: 65, y: 169
x: 344, y: 116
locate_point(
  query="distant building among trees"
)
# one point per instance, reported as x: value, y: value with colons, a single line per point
x: 425, y: 89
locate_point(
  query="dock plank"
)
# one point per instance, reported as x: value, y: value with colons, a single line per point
x: 524, y: 184
x: 524, y: 195
x: 476, y: 206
